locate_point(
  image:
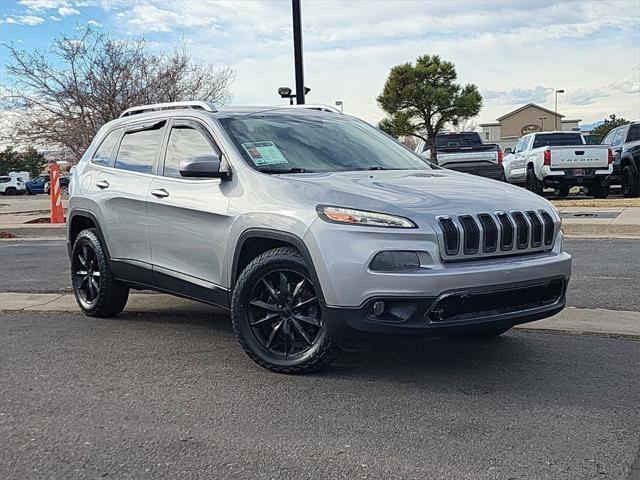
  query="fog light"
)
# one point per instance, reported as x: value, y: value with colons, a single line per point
x: 395, y: 261
x: 378, y: 308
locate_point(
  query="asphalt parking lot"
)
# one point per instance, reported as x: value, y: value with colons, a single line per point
x: 166, y: 396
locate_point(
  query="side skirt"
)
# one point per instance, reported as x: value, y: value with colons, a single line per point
x: 142, y: 275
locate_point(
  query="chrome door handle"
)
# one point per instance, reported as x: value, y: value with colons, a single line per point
x: 160, y: 193
x: 102, y: 184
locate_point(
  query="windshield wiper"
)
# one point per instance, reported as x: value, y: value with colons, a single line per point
x: 284, y: 170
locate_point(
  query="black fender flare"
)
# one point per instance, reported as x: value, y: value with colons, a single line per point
x: 286, y: 237
x: 79, y: 212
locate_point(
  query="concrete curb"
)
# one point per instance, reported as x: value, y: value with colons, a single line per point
x: 570, y: 320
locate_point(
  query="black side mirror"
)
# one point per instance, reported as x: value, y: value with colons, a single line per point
x: 202, y: 166
x: 508, y: 150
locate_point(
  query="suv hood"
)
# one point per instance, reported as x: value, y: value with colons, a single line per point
x: 431, y: 193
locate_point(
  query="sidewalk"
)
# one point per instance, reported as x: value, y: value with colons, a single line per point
x: 570, y: 320
x: 601, y: 221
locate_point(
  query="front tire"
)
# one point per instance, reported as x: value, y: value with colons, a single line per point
x: 277, y: 316
x: 98, y: 294
x: 630, y: 183
x: 533, y: 184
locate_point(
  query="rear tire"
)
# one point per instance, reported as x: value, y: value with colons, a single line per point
x: 98, y: 294
x: 630, y: 182
x: 277, y: 316
x: 598, y: 190
x: 563, y: 191
x: 10, y: 191
x: 533, y: 184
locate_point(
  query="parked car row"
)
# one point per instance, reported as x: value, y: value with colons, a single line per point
x: 42, y: 184
x: 558, y: 160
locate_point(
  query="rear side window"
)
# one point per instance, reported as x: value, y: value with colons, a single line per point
x: 634, y: 133
x: 557, y: 139
x: 5, y: 179
x: 185, y: 143
x: 138, y: 149
x: 103, y: 154
x: 618, y: 138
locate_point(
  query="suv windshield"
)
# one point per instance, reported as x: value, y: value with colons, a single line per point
x: 290, y: 142
x: 557, y: 139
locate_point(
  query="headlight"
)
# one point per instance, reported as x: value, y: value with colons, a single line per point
x: 362, y: 217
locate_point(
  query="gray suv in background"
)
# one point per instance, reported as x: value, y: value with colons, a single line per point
x: 316, y: 230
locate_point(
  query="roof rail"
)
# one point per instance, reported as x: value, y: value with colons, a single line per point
x: 195, y: 104
x: 311, y: 106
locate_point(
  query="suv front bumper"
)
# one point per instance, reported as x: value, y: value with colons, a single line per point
x: 455, y: 312
x: 484, y: 288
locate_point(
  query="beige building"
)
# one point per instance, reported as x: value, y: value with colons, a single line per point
x: 527, y: 119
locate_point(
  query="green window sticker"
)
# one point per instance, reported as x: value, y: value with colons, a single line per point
x: 264, y: 153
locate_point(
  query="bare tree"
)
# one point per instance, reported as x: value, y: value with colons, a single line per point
x: 60, y: 98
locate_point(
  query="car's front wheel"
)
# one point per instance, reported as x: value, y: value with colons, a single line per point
x: 98, y: 294
x: 277, y: 315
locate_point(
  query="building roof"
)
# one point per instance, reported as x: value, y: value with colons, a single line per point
x: 524, y: 107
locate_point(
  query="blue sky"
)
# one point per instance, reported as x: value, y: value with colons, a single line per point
x: 515, y: 51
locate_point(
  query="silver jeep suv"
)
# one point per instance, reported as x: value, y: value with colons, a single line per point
x: 316, y: 230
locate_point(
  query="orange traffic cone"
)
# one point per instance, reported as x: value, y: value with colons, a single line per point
x: 57, y: 216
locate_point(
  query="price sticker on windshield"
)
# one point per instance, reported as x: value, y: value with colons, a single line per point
x: 264, y: 153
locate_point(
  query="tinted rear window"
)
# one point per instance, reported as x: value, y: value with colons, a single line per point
x: 138, y: 149
x: 557, y: 139
x: 458, y: 140
x: 634, y: 133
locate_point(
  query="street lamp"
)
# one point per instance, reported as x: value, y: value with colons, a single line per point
x: 286, y: 92
x: 542, y: 119
x: 556, y: 111
x: 339, y: 104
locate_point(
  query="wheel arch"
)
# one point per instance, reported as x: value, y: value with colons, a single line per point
x: 81, y: 220
x: 255, y: 241
x: 628, y: 160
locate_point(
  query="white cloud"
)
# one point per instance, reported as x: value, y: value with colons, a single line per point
x: 54, y: 18
x: 40, y: 5
x: 94, y: 23
x: 66, y: 11
x: 30, y: 20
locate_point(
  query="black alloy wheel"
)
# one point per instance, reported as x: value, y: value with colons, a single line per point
x: 277, y: 314
x: 284, y: 313
x: 98, y: 294
x: 87, y: 275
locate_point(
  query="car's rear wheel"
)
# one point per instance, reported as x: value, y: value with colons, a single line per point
x: 277, y: 315
x: 562, y: 192
x: 599, y: 190
x: 630, y: 182
x: 533, y: 184
x: 10, y: 191
x: 98, y: 294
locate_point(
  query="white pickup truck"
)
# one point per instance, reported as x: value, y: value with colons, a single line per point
x: 559, y: 160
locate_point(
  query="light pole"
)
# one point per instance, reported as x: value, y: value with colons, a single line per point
x: 556, y: 111
x: 339, y: 104
x: 542, y: 119
x: 297, y: 51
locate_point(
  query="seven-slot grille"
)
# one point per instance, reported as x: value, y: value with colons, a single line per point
x: 499, y: 233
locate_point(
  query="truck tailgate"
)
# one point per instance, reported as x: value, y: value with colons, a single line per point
x: 469, y: 154
x: 580, y: 156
